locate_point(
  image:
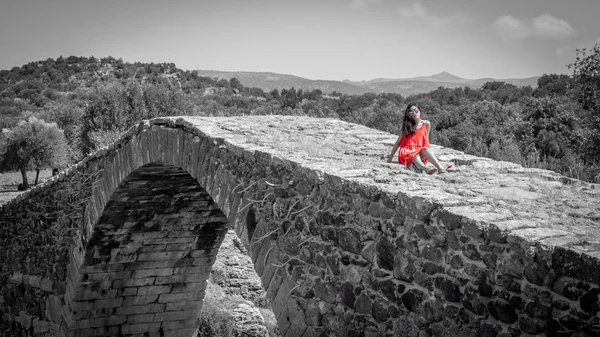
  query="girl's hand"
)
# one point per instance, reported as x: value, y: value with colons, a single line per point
x: 389, y: 160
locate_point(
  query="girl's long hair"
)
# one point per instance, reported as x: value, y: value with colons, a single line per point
x: 409, y: 126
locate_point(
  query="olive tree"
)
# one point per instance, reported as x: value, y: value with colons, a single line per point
x: 32, y: 145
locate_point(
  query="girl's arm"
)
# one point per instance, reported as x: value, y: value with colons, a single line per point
x: 428, y: 125
x: 395, y: 148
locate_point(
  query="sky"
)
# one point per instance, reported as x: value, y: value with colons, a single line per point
x: 316, y: 39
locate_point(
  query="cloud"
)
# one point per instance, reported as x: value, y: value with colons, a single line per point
x: 548, y: 26
x: 417, y: 11
x: 543, y: 26
x: 356, y: 4
x: 414, y: 10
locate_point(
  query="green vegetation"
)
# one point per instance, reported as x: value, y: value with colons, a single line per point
x: 554, y: 126
x: 32, y: 145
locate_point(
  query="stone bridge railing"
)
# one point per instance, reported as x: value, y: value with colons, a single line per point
x: 344, y: 243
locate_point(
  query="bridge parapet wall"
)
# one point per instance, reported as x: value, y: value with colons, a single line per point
x: 359, y: 261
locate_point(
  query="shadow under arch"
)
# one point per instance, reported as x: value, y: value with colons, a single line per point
x: 146, y: 264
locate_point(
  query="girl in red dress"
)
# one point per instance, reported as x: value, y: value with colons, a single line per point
x: 414, y: 143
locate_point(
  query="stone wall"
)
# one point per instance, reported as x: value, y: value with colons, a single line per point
x: 37, y: 235
x: 345, y: 245
x: 361, y: 262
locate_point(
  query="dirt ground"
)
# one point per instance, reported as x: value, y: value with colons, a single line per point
x: 9, y: 182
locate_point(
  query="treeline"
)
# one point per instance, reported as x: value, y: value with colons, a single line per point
x: 553, y: 126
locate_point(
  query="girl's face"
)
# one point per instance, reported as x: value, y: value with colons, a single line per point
x: 414, y: 113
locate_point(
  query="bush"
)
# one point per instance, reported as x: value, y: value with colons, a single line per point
x: 215, y: 321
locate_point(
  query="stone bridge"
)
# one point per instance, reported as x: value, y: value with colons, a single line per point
x: 345, y: 244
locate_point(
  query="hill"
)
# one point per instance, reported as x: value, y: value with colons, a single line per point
x: 405, y: 86
x: 268, y: 81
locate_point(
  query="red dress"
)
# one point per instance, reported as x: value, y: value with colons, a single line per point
x: 412, y: 145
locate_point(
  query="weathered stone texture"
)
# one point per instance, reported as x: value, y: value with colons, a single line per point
x: 344, y: 244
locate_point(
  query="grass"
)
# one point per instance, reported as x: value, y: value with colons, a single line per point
x: 9, y: 182
x: 215, y: 320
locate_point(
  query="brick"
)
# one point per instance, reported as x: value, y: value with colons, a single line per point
x: 99, y: 332
x: 151, y: 264
x: 142, y: 318
x: 108, y: 303
x: 90, y: 314
x: 194, y: 306
x: 141, y: 309
x: 182, y: 278
x: 120, y: 258
x: 178, y: 297
x: 175, y: 316
x: 180, y: 234
x: 102, y: 268
x: 96, y: 295
x: 158, y: 256
x: 82, y: 305
x: 186, y: 332
x: 140, y: 328
x: 153, y: 272
x: 117, y: 320
x: 153, y: 290
x: 183, y: 241
x: 161, y: 280
x: 134, y: 282
x: 177, y: 325
x: 129, y: 291
x: 102, y: 276
x: 139, y: 300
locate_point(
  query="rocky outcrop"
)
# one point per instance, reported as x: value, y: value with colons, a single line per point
x: 233, y: 273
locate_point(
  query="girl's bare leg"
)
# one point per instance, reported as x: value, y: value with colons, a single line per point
x: 427, y: 153
x: 420, y: 165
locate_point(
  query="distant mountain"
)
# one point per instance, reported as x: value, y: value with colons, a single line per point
x: 404, y: 86
x: 269, y: 81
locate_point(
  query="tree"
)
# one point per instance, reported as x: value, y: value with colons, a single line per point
x: 586, y: 78
x: 32, y: 144
x: 553, y: 84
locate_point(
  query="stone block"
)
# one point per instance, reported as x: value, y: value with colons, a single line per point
x: 193, y: 306
x: 108, y: 303
x: 134, y: 282
x: 181, y: 324
x: 139, y: 300
x: 349, y: 240
x: 144, y: 273
x: 175, y: 316
x: 272, y: 259
x: 297, y: 319
x: 140, y: 328
x: 141, y: 309
x: 153, y: 290
x: 161, y: 256
x: 84, y: 294
x: 176, y: 297
x: 141, y: 318
x: 283, y: 294
x: 98, y: 332
x: 184, y: 332
x: 502, y: 311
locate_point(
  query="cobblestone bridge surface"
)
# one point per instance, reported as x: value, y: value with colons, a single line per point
x: 344, y: 243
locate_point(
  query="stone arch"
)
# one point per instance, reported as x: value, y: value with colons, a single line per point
x: 127, y: 276
x: 146, y: 264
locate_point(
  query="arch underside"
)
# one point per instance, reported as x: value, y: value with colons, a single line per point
x: 147, y: 262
